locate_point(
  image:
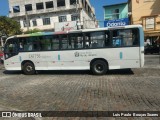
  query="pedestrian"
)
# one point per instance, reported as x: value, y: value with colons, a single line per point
x: 148, y: 42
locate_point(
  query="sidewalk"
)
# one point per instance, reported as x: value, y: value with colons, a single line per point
x: 152, y: 66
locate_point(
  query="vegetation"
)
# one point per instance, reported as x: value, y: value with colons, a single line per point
x: 9, y: 26
x: 32, y: 31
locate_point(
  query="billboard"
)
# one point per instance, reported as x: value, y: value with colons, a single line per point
x: 118, y: 22
x: 65, y: 26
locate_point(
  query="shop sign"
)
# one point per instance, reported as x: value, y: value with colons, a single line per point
x: 150, y: 23
x: 118, y: 22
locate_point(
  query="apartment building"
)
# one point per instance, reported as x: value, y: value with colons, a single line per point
x: 116, y: 14
x: 52, y: 15
x: 146, y: 13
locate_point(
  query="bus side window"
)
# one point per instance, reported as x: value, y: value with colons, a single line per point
x: 45, y: 43
x: 36, y: 43
x: 28, y: 44
x: 80, y: 41
x: 87, y: 40
x: 75, y: 41
x: 64, y: 42
x: 70, y: 42
x: 135, y: 37
x: 127, y: 37
x: 117, y: 38
x: 97, y: 39
x: 55, y: 42
x: 49, y: 44
x: 107, y: 39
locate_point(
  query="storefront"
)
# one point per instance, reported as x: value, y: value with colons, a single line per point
x: 153, y: 36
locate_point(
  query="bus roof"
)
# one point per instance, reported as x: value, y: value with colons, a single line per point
x: 74, y: 31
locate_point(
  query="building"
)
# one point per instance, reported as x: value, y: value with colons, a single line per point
x: 52, y: 15
x: 116, y: 15
x: 146, y: 13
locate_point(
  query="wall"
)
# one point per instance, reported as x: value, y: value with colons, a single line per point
x: 144, y: 9
x: 123, y: 11
x: 147, y: 13
x: 51, y: 13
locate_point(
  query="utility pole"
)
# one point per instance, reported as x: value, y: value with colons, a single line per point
x: 1, y: 41
x: 27, y: 20
x: 76, y: 6
x: 78, y: 16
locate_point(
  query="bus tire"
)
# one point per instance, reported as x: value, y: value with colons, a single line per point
x: 99, y: 67
x: 28, y: 68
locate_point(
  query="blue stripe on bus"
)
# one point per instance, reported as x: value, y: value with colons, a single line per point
x: 121, y: 55
x: 59, y: 57
x: 20, y: 58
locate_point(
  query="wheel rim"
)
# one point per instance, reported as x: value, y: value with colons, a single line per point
x: 99, y: 67
x: 29, y: 68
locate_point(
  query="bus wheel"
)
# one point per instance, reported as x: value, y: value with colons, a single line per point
x: 99, y: 67
x: 28, y: 68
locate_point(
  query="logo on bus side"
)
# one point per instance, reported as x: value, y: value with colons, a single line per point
x: 76, y: 54
x: 84, y: 54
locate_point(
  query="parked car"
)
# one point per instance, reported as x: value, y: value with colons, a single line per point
x: 151, y: 49
x: 1, y: 55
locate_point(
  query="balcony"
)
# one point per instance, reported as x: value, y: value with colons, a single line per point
x: 116, y: 16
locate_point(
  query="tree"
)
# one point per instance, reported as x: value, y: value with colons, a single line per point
x: 32, y: 31
x: 9, y: 26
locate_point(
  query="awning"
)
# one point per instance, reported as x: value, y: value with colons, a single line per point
x: 151, y: 33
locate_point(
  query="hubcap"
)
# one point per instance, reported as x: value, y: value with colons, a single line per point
x: 29, y: 68
x: 99, y: 67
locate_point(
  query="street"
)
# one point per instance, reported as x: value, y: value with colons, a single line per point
x: 118, y: 90
x: 84, y: 44
x: 152, y: 60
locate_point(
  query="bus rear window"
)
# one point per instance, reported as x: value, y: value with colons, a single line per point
x: 125, y: 37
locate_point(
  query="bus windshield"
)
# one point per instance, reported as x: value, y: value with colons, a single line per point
x: 10, y: 48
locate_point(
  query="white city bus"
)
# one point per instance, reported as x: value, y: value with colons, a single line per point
x: 98, y: 50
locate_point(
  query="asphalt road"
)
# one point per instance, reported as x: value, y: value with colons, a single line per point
x: 152, y: 59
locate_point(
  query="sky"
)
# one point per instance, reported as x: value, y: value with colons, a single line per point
x: 4, y: 8
x: 97, y: 4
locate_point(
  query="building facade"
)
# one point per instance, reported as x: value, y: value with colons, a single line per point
x: 116, y: 15
x: 52, y: 15
x: 146, y: 13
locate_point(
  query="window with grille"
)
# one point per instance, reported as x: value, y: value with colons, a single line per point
x: 28, y: 7
x: 49, y: 4
x: 16, y: 9
x: 74, y: 17
x: 46, y: 21
x: 39, y: 6
x: 60, y: 3
x: 34, y: 22
x: 25, y: 23
x: 72, y: 2
x: 62, y: 18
